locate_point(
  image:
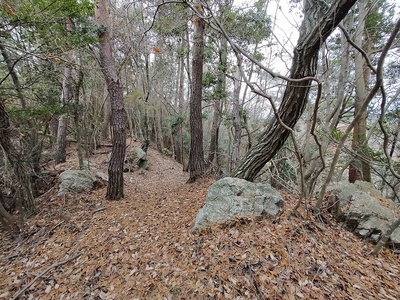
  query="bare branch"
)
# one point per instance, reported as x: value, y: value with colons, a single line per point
x: 371, y: 95
x: 363, y: 53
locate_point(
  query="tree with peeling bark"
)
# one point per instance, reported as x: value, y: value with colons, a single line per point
x: 318, y: 23
x: 115, y: 188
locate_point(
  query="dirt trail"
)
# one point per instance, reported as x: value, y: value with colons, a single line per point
x: 142, y: 248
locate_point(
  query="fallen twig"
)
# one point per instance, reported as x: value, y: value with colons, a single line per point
x: 54, y: 227
x: 20, y: 292
x: 99, y: 209
x: 35, y: 274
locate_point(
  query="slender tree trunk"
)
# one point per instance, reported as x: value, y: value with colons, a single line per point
x: 66, y: 95
x: 196, y: 157
x: 178, y: 130
x: 315, y: 29
x: 21, y: 171
x: 61, y: 142
x: 115, y: 188
x: 159, y: 137
x: 359, y: 169
x: 34, y: 146
x: 214, y: 136
x: 78, y: 132
x: 8, y: 221
x: 372, y: 93
x: 219, y: 102
x: 313, y: 170
x: 237, y: 123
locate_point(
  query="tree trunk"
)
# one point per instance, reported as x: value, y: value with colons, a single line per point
x: 115, y: 188
x: 214, y: 136
x: 78, y: 132
x: 359, y: 169
x: 105, y: 127
x: 178, y: 130
x: 21, y: 172
x: 33, y: 145
x: 315, y: 29
x: 315, y: 168
x: 196, y: 156
x: 236, y: 120
x: 61, y: 142
x: 219, y: 102
x: 66, y: 95
x: 159, y: 136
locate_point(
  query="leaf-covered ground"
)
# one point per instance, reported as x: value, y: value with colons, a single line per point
x: 84, y: 247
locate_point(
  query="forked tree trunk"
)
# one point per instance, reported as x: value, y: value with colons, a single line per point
x: 196, y: 157
x: 317, y: 25
x: 115, y: 188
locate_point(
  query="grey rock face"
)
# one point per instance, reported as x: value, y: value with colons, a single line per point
x: 102, y: 176
x: 75, y: 182
x: 364, y: 211
x: 134, y: 158
x: 233, y: 197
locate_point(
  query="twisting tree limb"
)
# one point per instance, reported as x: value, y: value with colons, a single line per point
x: 363, y: 53
x: 377, y: 86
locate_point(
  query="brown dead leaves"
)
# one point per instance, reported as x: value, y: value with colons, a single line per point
x: 143, y: 248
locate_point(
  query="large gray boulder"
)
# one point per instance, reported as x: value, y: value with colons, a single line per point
x: 75, y: 182
x: 233, y: 197
x: 363, y: 210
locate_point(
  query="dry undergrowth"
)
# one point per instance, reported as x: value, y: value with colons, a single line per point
x: 84, y: 247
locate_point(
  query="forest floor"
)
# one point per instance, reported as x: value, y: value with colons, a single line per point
x: 85, y: 247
